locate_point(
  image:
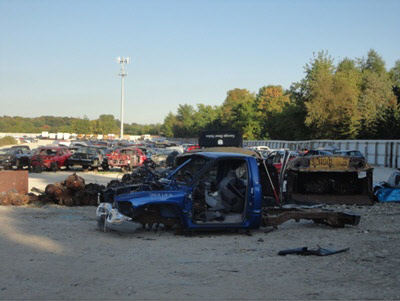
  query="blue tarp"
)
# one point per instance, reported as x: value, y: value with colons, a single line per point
x: 387, y: 194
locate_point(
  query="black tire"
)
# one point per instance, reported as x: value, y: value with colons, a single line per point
x: 95, y: 165
x: 85, y: 168
x: 37, y: 169
x: 101, y: 223
x: 126, y: 178
x: 53, y: 166
x: 105, y: 167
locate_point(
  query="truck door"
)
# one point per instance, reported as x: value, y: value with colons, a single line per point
x: 220, y: 194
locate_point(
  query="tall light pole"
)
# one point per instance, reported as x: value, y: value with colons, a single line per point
x: 122, y: 61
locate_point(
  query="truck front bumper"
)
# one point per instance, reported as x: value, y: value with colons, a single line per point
x: 109, y: 218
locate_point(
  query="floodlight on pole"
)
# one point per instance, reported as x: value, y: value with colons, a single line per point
x: 123, y: 61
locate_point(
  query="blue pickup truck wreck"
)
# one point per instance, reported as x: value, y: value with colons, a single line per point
x: 212, y: 189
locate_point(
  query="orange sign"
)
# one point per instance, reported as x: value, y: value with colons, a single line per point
x: 329, y: 163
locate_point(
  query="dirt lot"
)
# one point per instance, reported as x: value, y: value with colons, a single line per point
x: 56, y: 252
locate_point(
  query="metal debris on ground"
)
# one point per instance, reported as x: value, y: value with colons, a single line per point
x: 278, y: 215
x: 304, y: 251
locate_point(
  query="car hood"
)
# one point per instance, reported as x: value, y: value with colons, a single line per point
x: 138, y: 199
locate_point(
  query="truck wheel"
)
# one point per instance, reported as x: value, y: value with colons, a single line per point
x: 85, y: 168
x: 105, y: 167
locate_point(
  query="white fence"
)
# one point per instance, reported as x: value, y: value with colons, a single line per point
x: 377, y: 152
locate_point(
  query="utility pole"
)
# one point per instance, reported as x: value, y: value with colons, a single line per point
x: 122, y: 61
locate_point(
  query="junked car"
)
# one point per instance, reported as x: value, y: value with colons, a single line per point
x: 86, y: 157
x: 49, y: 158
x: 126, y: 158
x: 207, y: 191
x: 349, y: 153
x: 18, y: 157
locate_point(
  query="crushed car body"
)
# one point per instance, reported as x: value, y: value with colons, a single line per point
x: 329, y: 179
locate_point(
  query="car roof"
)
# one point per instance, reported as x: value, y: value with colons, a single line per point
x: 212, y: 155
x: 228, y: 150
x: 53, y: 147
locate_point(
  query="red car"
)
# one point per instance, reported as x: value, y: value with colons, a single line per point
x: 49, y: 158
x: 126, y: 158
x: 193, y: 147
x: 276, y: 158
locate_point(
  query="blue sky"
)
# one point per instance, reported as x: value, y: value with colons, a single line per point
x: 58, y: 57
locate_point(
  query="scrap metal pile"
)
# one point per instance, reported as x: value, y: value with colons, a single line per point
x: 147, y: 177
x: 72, y: 192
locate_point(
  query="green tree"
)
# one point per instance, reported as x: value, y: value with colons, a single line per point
x: 235, y: 97
x: 205, y: 118
x: 319, y: 93
x: 107, y: 124
x: 377, y: 97
x: 394, y: 75
x: 169, y: 124
x: 346, y: 89
x: 374, y: 63
x: 184, y: 126
x: 332, y: 97
x: 271, y: 99
x: 239, y: 112
x: 270, y: 102
x: 81, y: 126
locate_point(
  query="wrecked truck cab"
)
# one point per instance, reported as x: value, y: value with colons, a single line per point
x: 208, y: 190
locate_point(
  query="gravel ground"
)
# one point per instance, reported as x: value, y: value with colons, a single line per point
x: 55, y: 252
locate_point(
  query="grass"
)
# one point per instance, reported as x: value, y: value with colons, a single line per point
x: 7, y: 140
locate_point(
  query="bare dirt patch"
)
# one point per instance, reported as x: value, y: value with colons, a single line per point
x: 56, y: 252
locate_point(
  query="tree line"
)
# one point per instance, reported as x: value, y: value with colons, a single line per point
x: 105, y: 124
x: 353, y: 99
